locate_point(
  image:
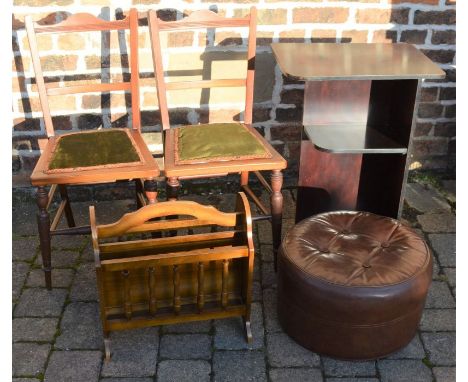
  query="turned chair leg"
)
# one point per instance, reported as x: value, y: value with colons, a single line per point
x: 172, y: 188
x: 151, y: 190
x: 68, y: 211
x: 43, y: 225
x: 276, y: 200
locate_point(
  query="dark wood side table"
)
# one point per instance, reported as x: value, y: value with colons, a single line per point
x: 359, y: 104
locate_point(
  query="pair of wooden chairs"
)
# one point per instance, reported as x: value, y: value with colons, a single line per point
x: 110, y: 155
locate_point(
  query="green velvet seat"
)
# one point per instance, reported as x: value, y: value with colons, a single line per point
x: 96, y: 148
x: 217, y: 141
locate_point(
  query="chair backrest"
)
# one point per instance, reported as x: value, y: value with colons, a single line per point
x: 198, y: 20
x: 84, y: 22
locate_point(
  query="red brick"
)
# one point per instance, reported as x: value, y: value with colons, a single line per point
x: 295, y: 35
x: 52, y: 63
x: 422, y: 129
x: 261, y: 114
x: 41, y: 3
x: 62, y: 122
x: 441, y: 56
x: 450, y: 111
x: 292, y: 96
x: 435, y: 17
x: 26, y: 124
x: 429, y: 94
x: 291, y: 132
x: 271, y: 16
x: 448, y: 93
x: 430, y: 110
x: 228, y: 38
x: 264, y: 38
x: 445, y: 129
x: 320, y: 15
x: 430, y: 146
x: 179, y: 39
x: 323, y: 35
x: 429, y: 2
x: 383, y: 36
x: 382, y: 16
x: 413, y: 36
x: 354, y: 36
x: 443, y: 37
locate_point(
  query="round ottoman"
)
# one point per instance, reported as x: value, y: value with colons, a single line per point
x: 352, y: 285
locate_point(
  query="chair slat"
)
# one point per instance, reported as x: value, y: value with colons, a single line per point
x: 82, y: 22
x: 224, y: 293
x: 152, y: 291
x: 174, y: 258
x: 127, y: 294
x: 91, y: 88
x: 176, y: 289
x: 203, y: 84
x: 201, y: 287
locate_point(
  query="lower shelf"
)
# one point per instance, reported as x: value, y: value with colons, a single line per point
x: 352, y: 139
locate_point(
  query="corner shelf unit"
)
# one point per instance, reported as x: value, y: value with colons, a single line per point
x: 359, y: 104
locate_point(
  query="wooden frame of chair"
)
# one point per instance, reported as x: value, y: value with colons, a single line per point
x: 183, y: 278
x: 176, y: 172
x: 147, y: 169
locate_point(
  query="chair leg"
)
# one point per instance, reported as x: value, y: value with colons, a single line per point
x: 151, y: 190
x: 172, y: 188
x: 43, y: 225
x: 138, y: 190
x: 244, y: 178
x: 276, y: 201
x: 68, y: 211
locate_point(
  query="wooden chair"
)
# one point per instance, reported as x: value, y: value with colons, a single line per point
x: 99, y: 156
x: 155, y: 281
x: 194, y: 151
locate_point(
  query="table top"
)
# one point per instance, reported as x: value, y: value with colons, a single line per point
x: 325, y: 61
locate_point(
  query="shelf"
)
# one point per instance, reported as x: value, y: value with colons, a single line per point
x: 351, y: 139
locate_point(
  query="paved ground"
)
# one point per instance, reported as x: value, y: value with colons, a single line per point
x: 57, y: 335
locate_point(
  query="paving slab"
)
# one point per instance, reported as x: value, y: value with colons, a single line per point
x: 441, y: 348
x: 352, y: 380
x: 439, y: 296
x: 337, y: 368
x: 424, y: 198
x: 133, y: 353
x: 444, y: 374
x: 61, y: 278
x: 282, y: 351
x: 24, y: 218
x: 444, y: 222
x: 239, y: 366
x: 34, y: 329
x: 268, y: 276
x: 266, y: 253
x: 18, y: 277
x: 272, y: 324
x: 40, y: 302
x: 404, y: 371
x: 188, y: 327
x: 26, y: 380
x: 414, y: 350
x: 256, y: 291
x: 185, y: 346
x: 61, y: 259
x: 295, y: 374
x: 29, y: 359
x: 230, y: 332
x: 74, y: 242
x: 25, y: 248
x: 84, y: 286
x: 184, y: 371
x: 434, y: 320
x: 80, y: 327
x: 451, y: 276
x: 73, y: 366
x: 444, y: 246
x: 126, y: 380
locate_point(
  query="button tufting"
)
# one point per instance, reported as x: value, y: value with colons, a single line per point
x: 366, y: 265
x: 384, y: 245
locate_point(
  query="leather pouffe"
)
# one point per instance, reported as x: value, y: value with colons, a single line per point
x: 352, y: 285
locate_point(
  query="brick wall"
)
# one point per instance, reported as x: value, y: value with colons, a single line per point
x: 428, y: 24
